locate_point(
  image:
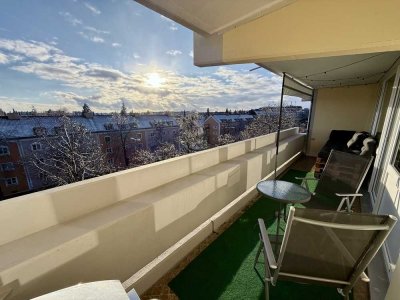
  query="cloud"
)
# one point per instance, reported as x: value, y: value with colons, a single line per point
x: 95, y: 30
x: 3, y: 58
x: 32, y: 49
x: 191, y: 53
x: 136, y: 56
x: 174, y: 52
x: 116, y: 45
x: 69, y: 18
x: 92, y: 8
x: 97, y: 39
x: 104, y: 87
x: 109, y: 74
x: 26, y: 104
x: 93, y: 38
x: 173, y: 27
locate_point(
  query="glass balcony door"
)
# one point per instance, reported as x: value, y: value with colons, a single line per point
x: 386, y: 181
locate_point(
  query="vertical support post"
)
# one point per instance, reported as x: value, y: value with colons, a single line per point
x: 279, y: 126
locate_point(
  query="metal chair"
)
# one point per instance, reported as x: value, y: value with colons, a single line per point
x: 341, y: 178
x: 324, y: 247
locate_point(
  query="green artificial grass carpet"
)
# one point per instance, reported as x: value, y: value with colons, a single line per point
x: 224, y: 270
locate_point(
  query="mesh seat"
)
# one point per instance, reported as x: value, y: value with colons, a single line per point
x: 325, y: 247
x: 341, y: 180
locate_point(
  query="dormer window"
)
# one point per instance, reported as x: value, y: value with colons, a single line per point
x: 57, y: 129
x: 39, y: 131
x: 109, y: 126
x: 36, y: 146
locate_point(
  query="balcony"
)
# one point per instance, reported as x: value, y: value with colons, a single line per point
x: 133, y: 225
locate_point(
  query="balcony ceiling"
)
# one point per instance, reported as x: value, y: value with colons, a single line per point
x: 338, y: 70
x: 213, y: 16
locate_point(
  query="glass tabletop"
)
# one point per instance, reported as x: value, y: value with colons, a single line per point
x: 283, y: 191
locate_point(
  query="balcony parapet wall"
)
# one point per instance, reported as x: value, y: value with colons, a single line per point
x: 114, y: 225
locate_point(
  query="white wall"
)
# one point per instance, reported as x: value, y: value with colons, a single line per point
x: 342, y: 108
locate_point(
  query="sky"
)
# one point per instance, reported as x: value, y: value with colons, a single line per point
x: 62, y: 54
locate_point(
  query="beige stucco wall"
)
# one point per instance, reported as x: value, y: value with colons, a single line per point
x: 113, y: 226
x: 306, y: 29
x: 345, y: 108
x: 394, y: 289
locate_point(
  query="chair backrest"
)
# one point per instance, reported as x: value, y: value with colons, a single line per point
x: 330, y: 247
x: 343, y: 173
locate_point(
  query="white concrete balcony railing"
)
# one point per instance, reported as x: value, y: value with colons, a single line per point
x: 132, y: 225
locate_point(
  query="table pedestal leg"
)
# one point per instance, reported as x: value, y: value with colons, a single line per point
x: 277, y: 228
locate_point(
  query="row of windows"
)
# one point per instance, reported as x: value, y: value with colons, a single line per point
x: 107, y: 138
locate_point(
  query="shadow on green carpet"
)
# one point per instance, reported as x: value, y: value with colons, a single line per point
x: 224, y: 270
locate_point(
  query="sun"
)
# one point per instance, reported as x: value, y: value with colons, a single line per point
x: 154, y: 80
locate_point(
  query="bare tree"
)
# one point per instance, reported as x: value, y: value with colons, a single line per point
x: 142, y: 157
x: 165, y: 151
x: 191, y: 135
x: 268, y: 122
x: 72, y: 154
x: 225, y: 139
x: 125, y: 125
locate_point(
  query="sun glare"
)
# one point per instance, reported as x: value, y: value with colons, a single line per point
x: 154, y: 80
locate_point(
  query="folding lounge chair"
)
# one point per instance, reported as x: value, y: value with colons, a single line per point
x: 324, y: 247
x: 341, y: 179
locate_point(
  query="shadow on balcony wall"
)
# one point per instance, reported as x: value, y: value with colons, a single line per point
x: 116, y: 238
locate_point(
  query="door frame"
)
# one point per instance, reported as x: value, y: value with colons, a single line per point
x: 385, y: 144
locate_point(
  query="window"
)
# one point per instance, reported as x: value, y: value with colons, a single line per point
x: 7, y: 166
x: 109, y: 126
x: 4, y: 150
x: 12, y: 181
x: 39, y: 131
x: 36, y: 146
x: 107, y: 139
x: 43, y: 176
x: 110, y: 161
x: 109, y: 150
x: 138, y: 135
x: 58, y: 130
x: 153, y: 134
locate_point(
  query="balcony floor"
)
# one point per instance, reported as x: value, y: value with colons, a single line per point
x: 222, y: 266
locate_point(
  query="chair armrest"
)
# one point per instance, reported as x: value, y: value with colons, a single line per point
x: 267, y: 245
x: 306, y: 178
x: 364, y: 277
x: 349, y: 195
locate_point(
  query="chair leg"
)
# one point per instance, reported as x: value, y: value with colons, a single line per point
x: 258, y: 254
x: 266, y: 289
x: 341, y: 204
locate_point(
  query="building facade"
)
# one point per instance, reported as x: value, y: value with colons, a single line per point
x: 21, y: 138
x: 220, y: 124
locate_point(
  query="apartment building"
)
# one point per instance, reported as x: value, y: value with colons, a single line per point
x: 220, y: 124
x: 21, y: 138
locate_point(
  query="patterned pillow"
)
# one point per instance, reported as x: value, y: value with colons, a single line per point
x: 369, y: 147
x: 356, y: 141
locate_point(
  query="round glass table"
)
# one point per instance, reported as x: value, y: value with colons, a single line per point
x: 285, y: 193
